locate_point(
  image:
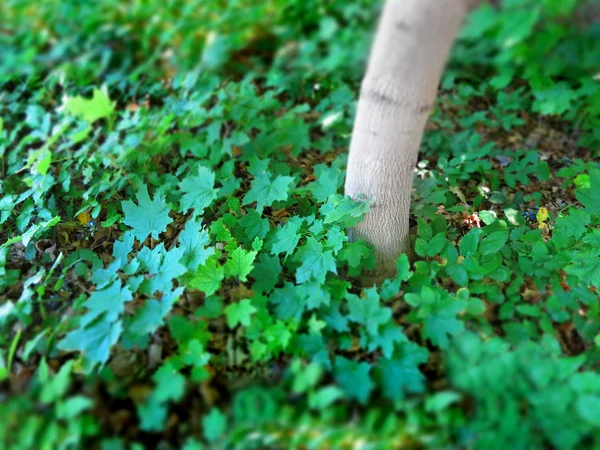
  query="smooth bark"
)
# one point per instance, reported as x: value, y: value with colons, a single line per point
x: 412, y: 44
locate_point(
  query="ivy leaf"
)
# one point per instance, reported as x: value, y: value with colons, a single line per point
x: 287, y: 237
x: 264, y: 191
x: 198, y: 191
x: 240, y: 312
x: 208, y: 277
x: 354, y: 378
x: 148, y: 217
x: 239, y: 263
x: 589, y: 196
x: 316, y: 263
x: 368, y: 311
x: 90, y: 110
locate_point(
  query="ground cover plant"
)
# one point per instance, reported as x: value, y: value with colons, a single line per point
x: 175, y: 267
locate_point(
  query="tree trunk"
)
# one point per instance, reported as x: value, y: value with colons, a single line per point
x: 412, y: 43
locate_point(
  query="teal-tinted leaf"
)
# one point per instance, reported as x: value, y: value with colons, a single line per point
x: 265, y: 191
x: 354, y: 378
x: 287, y: 237
x: 198, y: 191
x: 315, y: 262
x: 194, y: 241
x: 368, y: 311
x: 148, y: 217
x: 401, y: 374
x: 214, y: 425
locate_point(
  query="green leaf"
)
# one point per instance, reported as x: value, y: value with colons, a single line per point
x: 354, y: 378
x: 588, y: 408
x: 198, y: 191
x: 343, y: 210
x: 469, y: 243
x: 208, y: 277
x: 266, y: 273
x: 368, y: 311
x: 401, y: 374
x: 316, y: 263
x: 148, y: 217
x: 109, y: 301
x: 574, y: 224
x: 589, y: 196
x: 214, y: 425
x: 442, y: 322
x: 264, y: 191
x: 170, y: 384
x: 240, y: 313
x: 494, y: 242
x: 94, y: 341
x: 239, y: 263
x: 328, y: 180
x: 254, y: 225
x: 287, y: 237
x: 194, y: 241
x: 98, y: 107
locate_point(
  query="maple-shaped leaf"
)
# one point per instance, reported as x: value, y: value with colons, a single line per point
x: 94, y: 341
x: 240, y: 312
x: 109, y: 301
x: 590, y: 197
x: 442, y: 321
x: 344, y: 210
x: 265, y: 191
x: 354, y: 378
x: 239, y: 263
x: 401, y: 374
x: 170, y: 384
x: 90, y: 110
x: 574, y: 224
x: 208, y: 277
x: 198, y: 191
x: 194, y: 241
x: 328, y: 181
x: 289, y: 300
x: 148, y: 217
x: 254, y: 225
x: 315, y: 262
x: 266, y: 273
x: 368, y: 311
x: 335, y: 239
x: 286, y: 238
x: 388, y: 335
x: 169, y: 269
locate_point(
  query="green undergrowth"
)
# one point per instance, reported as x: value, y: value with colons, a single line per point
x: 175, y: 268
